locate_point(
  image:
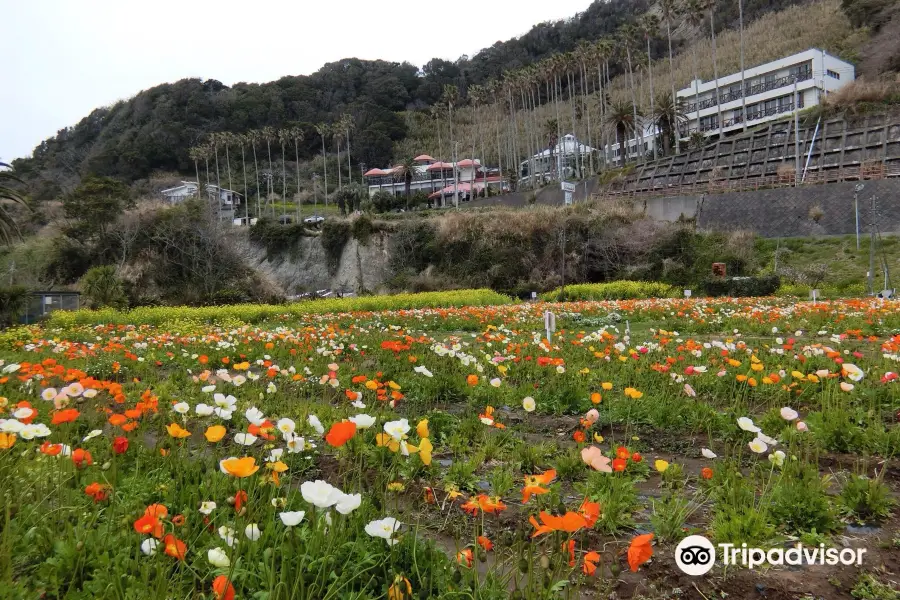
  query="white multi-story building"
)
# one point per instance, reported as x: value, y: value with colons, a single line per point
x: 771, y: 91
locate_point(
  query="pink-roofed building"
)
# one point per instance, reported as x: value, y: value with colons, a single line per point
x: 436, y: 178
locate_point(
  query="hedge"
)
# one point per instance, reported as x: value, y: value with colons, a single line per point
x: 613, y: 290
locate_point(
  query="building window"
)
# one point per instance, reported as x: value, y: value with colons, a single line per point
x: 832, y: 74
x: 709, y: 123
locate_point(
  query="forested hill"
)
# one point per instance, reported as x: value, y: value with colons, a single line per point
x: 155, y: 129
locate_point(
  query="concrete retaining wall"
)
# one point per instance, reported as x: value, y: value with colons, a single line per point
x: 787, y: 212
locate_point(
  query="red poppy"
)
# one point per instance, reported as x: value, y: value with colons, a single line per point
x: 239, y: 499
x: 464, y: 557
x: 619, y: 464
x: 98, y: 491
x: 340, y: 433
x: 636, y: 457
x: 485, y: 543
x: 120, y: 445
x: 706, y: 473
x: 623, y: 453
x: 174, y: 547
x: 578, y: 436
x: 51, y: 449
x: 222, y: 588
x: 640, y: 551
x: 149, y: 524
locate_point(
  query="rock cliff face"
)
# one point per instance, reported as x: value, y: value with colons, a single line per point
x: 305, y: 268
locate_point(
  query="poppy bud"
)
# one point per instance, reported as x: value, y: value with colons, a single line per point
x: 615, y: 569
x: 230, y: 500
x: 242, y: 512
x: 523, y: 565
x: 79, y: 545
x: 105, y: 466
x: 545, y: 561
x: 482, y: 556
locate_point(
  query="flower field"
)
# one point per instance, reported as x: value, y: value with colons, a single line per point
x: 433, y: 451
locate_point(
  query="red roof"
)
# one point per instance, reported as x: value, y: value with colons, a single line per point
x: 467, y: 163
x: 423, y: 157
x: 440, y: 165
x: 374, y: 173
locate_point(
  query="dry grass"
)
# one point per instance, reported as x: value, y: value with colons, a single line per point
x: 819, y: 24
x: 864, y: 90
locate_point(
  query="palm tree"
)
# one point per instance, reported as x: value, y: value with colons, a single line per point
x: 337, y: 135
x: 623, y: 119
x: 284, y: 136
x: 345, y: 123
x: 693, y: 14
x: 253, y: 138
x: 743, y: 91
x: 323, y: 129
x: 8, y: 226
x: 405, y: 171
x: 668, y: 116
x: 242, y: 140
x: 215, y: 139
x: 297, y: 135
x: 268, y: 134
x: 451, y: 97
x: 710, y: 5
x: 668, y: 8
x: 628, y: 35
x: 649, y: 26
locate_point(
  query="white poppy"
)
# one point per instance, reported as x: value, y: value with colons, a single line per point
x: 203, y: 410
x: 285, y: 426
x: 295, y: 443
x: 362, y: 421
x: 707, y: 453
x: 218, y: 558
x: 777, y: 458
x: 244, y: 439
x: 92, y: 435
x: 49, y: 394
x: 227, y: 534
x: 528, y: 404
x: 252, y: 532
x: 208, y: 389
x: 316, y: 424
x: 384, y: 529
x: 149, y: 546
x: 758, y: 446
x: 207, y: 506
x: 255, y: 416
x: 423, y: 370
x: 397, y: 429
x: 182, y: 408
x: 746, y: 424
x: 347, y: 503
x: 788, y: 413
x: 292, y: 518
x: 319, y: 493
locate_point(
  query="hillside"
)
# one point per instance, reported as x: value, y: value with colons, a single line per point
x: 154, y: 130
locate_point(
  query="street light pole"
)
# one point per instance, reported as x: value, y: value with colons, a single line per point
x: 856, y: 190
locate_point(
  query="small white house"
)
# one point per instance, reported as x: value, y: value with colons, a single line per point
x: 188, y: 189
x: 564, y: 154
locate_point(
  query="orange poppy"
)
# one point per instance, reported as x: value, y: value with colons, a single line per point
x: 534, y: 484
x: 590, y: 511
x: 578, y: 436
x: 7, y: 440
x: 214, y: 433
x: 174, y: 547
x: 619, y: 464
x: 65, y: 416
x: 117, y: 420
x: 177, y: 431
x: 491, y: 505
x: 240, y: 467
x: 472, y: 379
x: 589, y: 565
x: 120, y: 445
x: 150, y: 525
x: 569, y: 522
x: 340, y: 433
x: 640, y: 551
x: 82, y: 458
x: 222, y: 588
x: 622, y: 452
x: 464, y: 557
x: 706, y: 473
x: 485, y: 543
x: 157, y: 510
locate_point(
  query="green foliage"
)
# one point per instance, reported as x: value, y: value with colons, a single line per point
x: 95, y: 205
x: 13, y: 300
x: 276, y: 238
x: 670, y: 514
x: 8, y: 193
x: 742, y: 287
x: 102, y: 288
x: 382, y: 201
x: 868, y: 587
x: 335, y: 235
x: 255, y: 313
x: 867, y: 500
x: 614, y: 290
x: 617, y: 495
x: 361, y: 228
x: 569, y: 465
x: 800, y: 502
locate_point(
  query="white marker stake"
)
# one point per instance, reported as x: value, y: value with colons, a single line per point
x: 549, y: 323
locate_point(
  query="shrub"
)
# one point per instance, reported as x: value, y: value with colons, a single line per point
x: 12, y: 304
x: 866, y: 500
x: 335, y: 235
x: 275, y: 237
x: 800, y: 502
x: 361, y: 229
x: 101, y: 287
x: 742, y: 287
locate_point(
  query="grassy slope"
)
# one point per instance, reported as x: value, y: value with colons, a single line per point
x: 818, y: 24
x: 846, y: 265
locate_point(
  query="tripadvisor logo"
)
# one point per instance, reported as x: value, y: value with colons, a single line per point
x: 696, y: 555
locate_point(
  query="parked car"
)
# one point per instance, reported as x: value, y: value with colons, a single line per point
x: 314, y: 220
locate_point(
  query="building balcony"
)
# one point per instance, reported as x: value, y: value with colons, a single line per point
x: 750, y: 90
x: 753, y: 114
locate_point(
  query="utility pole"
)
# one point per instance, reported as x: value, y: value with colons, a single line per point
x: 796, y: 134
x: 856, y: 190
x: 870, y: 280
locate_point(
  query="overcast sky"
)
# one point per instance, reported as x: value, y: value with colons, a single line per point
x: 63, y: 58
